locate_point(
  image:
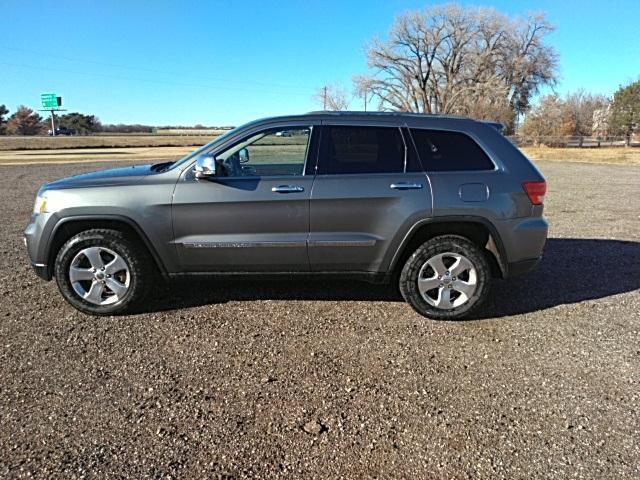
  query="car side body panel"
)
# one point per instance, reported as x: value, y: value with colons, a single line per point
x: 241, y: 224
x: 144, y: 202
x: 355, y: 218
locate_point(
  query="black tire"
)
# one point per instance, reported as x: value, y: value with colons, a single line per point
x: 135, y: 256
x: 447, y: 243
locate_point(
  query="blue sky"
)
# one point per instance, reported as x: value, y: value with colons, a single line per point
x: 227, y: 62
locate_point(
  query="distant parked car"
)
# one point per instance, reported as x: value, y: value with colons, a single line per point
x: 437, y: 204
x: 62, y: 131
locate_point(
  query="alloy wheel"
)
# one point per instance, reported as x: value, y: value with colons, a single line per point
x: 447, y: 280
x: 99, y: 275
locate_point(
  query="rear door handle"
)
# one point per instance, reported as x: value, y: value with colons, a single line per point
x: 406, y: 186
x: 287, y: 189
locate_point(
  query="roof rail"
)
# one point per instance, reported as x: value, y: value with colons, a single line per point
x: 387, y: 113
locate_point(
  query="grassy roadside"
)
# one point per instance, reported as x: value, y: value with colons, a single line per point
x: 137, y: 154
x: 615, y: 155
x: 605, y: 155
x: 101, y: 141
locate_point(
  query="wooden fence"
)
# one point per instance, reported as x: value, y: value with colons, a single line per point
x: 574, y: 141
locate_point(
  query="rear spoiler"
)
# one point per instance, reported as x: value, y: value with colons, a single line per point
x: 497, y: 125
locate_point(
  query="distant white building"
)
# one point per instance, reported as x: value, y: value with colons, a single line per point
x: 601, y: 118
x: 192, y: 131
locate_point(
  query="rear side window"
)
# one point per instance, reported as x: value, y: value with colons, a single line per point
x: 446, y: 151
x: 361, y: 150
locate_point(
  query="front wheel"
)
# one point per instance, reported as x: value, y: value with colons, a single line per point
x: 102, y: 272
x: 446, y: 278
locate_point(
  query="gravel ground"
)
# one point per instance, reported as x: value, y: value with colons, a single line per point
x: 233, y: 379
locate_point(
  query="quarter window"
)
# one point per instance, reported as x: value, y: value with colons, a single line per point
x: 346, y: 149
x: 446, y: 151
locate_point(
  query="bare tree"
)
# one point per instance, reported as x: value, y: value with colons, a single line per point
x: 556, y: 117
x: 544, y: 122
x: 332, y: 97
x: 583, y: 105
x: 529, y: 63
x: 363, y: 89
x: 452, y: 59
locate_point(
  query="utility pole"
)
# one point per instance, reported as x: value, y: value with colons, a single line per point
x: 53, y: 123
x: 324, y: 98
x: 365, y: 99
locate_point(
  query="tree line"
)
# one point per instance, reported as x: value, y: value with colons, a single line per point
x: 26, y: 121
x: 584, y: 114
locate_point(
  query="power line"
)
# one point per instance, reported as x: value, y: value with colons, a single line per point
x: 154, y: 80
x: 150, y: 70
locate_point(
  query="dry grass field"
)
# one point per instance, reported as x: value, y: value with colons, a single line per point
x: 108, y: 148
x: 618, y: 155
x: 90, y: 155
x: 123, y: 148
x: 101, y: 141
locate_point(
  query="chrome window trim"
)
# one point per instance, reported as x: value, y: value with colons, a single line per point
x: 253, y: 131
x: 283, y: 244
x: 404, y: 141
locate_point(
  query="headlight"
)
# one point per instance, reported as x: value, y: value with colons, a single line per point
x: 41, y: 204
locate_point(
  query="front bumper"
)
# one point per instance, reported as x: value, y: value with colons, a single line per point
x: 41, y: 270
x: 36, y: 237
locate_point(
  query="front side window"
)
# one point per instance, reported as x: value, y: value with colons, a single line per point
x: 346, y: 149
x: 280, y: 151
x: 449, y: 151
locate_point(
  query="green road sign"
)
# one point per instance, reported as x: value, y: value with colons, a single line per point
x: 50, y: 100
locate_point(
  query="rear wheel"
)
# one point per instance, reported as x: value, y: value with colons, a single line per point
x: 446, y: 278
x: 102, y: 272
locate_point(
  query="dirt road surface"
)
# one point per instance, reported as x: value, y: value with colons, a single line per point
x: 290, y: 379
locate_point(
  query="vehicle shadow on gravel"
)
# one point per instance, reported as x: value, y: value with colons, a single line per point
x: 572, y: 270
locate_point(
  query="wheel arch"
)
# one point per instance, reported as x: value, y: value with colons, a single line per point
x: 67, y: 227
x: 477, y: 229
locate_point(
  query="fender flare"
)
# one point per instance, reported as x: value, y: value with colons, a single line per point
x: 108, y: 217
x: 497, y: 248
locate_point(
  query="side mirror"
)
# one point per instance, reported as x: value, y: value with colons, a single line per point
x: 243, y: 155
x: 205, y: 166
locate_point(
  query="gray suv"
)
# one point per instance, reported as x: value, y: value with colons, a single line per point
x: 438, y: 204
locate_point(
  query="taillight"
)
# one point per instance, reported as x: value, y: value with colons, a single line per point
x: 535, y: 191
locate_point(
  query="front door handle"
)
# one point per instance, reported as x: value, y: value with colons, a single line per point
x: 287, y: 189
x: 406, y: 186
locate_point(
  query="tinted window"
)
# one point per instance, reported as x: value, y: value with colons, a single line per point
x: 441, y: 151
x: 361, y: 150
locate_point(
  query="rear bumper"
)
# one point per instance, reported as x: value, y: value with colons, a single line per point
x: 523, y: 239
